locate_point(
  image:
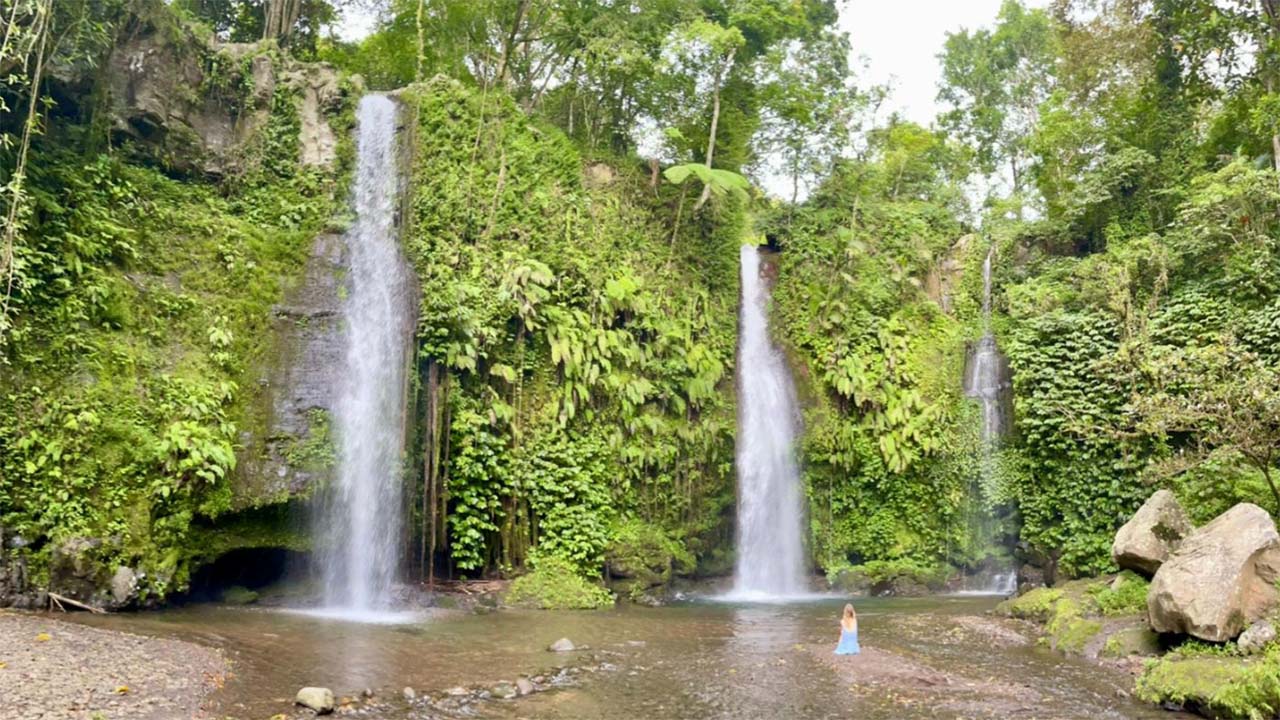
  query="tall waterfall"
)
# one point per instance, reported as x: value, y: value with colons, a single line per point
x: 359, y: 530
x: 770, y: 547
x: 987, y: 377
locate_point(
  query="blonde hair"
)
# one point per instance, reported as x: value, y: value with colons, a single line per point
x: 848, y: 611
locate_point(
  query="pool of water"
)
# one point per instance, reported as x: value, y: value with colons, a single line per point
x: 927, y: 658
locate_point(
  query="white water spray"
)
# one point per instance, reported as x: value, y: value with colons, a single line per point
x: 770, y: 561
x: 360, y: 527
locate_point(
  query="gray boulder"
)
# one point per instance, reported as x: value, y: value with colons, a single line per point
x: 1258, y: 636
x: 1220, y: 579
x: 1155, y: 531
x: 317, y: 698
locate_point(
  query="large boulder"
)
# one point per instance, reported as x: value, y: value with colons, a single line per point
x: 1220, y: 579
x: 1155, y: 531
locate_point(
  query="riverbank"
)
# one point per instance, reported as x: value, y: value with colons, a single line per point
x: 56, y: 670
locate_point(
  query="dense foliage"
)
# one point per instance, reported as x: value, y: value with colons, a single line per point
x: 578, y: 196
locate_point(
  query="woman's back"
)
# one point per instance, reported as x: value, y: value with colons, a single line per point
x: 848, y: 633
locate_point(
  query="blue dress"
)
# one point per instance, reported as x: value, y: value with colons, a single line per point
x: 848, y: 643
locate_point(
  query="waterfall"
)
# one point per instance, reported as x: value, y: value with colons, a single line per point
x: 987, y: 377
x: 770, y: 559
x: 358, y: 531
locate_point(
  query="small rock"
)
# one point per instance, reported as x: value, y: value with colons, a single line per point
x: 523, y: 686
x: 636, y: 643
x: 562, y: 645
x: 409, y: 694
x: 539, y: 679
x: 366, y: 693
x: 457, y: 691
x: 1256, y: 637
x: 503, y: 691
x: 317, y: 698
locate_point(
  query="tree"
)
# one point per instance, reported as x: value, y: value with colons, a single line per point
x: 994, y: 82
x: 704, y: 51
x: 1216, y: 401
x: 807, y: 104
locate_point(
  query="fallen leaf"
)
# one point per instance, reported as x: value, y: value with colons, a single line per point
x: 121, y: 690
x: 44, y: 637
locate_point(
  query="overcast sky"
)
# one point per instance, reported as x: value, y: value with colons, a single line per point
x: 901, y: 40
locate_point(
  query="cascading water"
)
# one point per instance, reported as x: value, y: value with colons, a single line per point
x: 987, y: 377
x: 987, y: 380
x: 770, y: 549
x: 359, y: 530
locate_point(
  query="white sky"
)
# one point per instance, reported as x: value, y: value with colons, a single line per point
x: 901, y: 40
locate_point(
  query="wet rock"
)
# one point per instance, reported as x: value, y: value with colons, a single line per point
x: 524, y: 686
x: 239, y: 595
x: 73, y: 571
x: 317, y: 698
x: 504, y: 691
x: 1155, y: 531
x: 124, y: 585
x: 1257, y: 637
x: 409, y: 694
x: 562, y: 645
x: 1030, y: 577
x: 1220, y: 579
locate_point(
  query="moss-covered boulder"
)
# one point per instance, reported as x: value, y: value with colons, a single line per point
x: 641, y: 557
x: 1133, y: 640
x: 1211, y: 681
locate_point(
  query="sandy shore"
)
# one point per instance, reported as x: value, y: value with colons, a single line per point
x: 54, y: 670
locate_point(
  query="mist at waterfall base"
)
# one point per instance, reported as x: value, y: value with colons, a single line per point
x: 357, y: 528
x: 770, y: 551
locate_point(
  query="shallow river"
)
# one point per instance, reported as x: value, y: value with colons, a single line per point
x: 926, y: 658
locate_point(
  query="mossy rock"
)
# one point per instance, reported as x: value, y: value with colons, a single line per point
x: 1068, y: 630
x: 1037, y: 604
x: 239, y: 595
x: 641, y: 556
x: 1215, y: 685
x: 1138, y: 640
x: 554, y: 585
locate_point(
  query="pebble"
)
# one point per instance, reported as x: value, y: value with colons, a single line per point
x: 561, y: 645
x: 409, y: 694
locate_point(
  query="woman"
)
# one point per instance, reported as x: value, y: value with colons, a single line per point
x: 848, y: 633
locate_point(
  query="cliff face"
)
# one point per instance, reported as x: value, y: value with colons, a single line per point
x: 196, y: 397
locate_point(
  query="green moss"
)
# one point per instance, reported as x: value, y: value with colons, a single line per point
x: 1215, y: 685
x: 641, y: 556
x: 1131, y: 641
x: 239, y: 595
x: 554, y: 585
x: 1036, y: 604
x: 315, y: 452
x: 1126, y: 595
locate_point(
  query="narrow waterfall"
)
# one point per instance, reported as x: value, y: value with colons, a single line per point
x: 770, y: 560
x: 359, y: 530
x: 987, y: 377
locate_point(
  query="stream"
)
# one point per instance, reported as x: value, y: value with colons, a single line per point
x: 939, y: 657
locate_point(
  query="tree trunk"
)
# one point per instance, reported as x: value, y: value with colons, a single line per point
x: 715, y: 123
x: 422, y: 46
x: 509, y: 46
